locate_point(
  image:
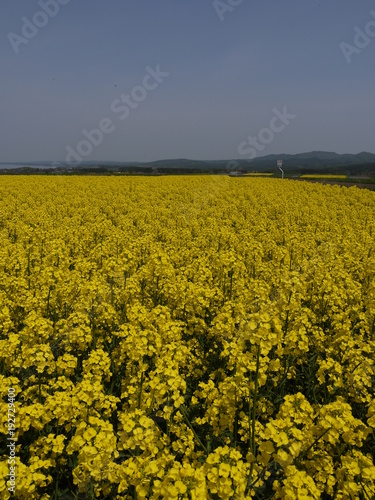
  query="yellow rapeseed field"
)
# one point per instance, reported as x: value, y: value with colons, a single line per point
x: 323, y: 176
x: 187, y: 338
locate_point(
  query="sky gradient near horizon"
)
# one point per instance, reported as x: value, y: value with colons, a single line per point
x: 224, y: 68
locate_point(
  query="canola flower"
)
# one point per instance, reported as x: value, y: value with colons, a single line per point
x: 258, y: 174
x: 187, y: 338
x: 323, y: 176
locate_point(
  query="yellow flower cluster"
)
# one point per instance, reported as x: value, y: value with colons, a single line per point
x: 323, y: 176
x: 187, y: 338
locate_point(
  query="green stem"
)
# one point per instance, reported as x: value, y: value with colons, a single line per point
x: 363, y: 489
x: 260, y: 474
x: 311, y: 445
x: 191, y: 428
x: 140, y: 392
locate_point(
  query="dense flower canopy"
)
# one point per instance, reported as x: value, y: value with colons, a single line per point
x: 187, y: 337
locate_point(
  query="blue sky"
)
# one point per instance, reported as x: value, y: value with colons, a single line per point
x: 225, y: 77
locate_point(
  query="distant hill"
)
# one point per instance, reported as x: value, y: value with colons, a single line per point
x: 315, y: 161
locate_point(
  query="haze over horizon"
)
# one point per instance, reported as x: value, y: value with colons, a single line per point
x: 109, y: 81
x: 168, y: 159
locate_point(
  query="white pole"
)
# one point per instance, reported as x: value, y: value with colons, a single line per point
x: 282, y: 173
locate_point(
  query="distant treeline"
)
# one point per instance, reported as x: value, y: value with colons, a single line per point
x: 359, y: 170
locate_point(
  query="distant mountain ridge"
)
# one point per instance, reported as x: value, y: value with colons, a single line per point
x: 314, y: 160
x: 321, y: 157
